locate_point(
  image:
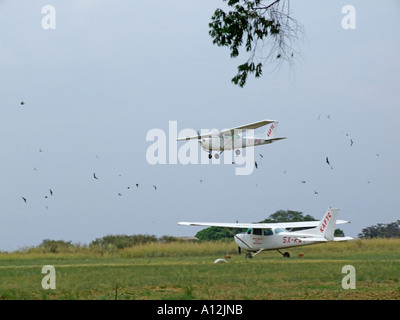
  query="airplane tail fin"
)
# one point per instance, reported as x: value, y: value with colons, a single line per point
x: 271, y: 132
x: 326, y: 227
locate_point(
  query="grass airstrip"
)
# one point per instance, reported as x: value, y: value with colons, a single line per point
x: 184, y: 271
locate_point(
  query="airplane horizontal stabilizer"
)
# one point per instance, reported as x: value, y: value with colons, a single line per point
x: 319, y: 239
x: 342, y: 238
x: 275, y: 139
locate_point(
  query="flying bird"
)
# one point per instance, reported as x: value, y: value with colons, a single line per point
x: 24, y: 199
x: 137, y: 185
x: 327, y: 161
x: 22, y: 103
x: 351, y: 142
x: 155, y: 187
x: 303, y: 181
x: 256, y: 164
x: 51, y: 192
x: 94, y: 176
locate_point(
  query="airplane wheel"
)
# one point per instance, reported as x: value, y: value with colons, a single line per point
x: 209, y: 156
x: 237, y: 151
x: 248, y: 255
x: 216, y: 156
x: 286, y: 255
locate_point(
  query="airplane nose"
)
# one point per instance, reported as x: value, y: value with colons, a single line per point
x: 238, y: 237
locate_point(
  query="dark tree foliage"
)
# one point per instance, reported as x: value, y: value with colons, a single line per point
x: 287, y: 216
x: 123, y: 241
x: 267, y: 32
x: 390, y: 230
x: 55, y: 246
x: 217, y: 233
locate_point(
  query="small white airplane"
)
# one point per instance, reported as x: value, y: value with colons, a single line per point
x: 229, y: 139
x: 274, y: 236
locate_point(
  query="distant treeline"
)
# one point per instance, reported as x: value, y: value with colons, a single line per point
x: 120, y: 241
x: 125, y: 241
x: 390, y: 230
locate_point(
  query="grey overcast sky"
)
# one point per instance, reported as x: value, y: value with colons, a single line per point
x: 111, y: 71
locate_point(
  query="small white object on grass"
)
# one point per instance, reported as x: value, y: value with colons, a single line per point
x: 220, y: 260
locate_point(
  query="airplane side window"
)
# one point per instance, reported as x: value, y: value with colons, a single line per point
x: 279, y: 230
x: 257, y: 232
x: 268, y: 232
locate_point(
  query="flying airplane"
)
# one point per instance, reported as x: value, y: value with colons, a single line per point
x: 233, y: 138
x: 274, y: 236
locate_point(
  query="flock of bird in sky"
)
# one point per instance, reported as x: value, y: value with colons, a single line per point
x: 256, y: 164
x: 22, y: 103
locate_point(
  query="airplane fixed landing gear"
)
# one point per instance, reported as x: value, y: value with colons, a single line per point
x: 285, y: 255
x: 250, y: 255
x: 216, y: 156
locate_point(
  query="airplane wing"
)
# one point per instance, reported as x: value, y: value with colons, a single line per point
x: 230, y: 131
x: 302, y: 224
x: 253, y: 126
x: 287, y: 225
x: 220, y: 224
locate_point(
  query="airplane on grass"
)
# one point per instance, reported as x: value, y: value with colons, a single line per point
x: 233, y: 138
x: 274, y: 236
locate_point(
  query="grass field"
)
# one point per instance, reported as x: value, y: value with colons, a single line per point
x: 183, y: 271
